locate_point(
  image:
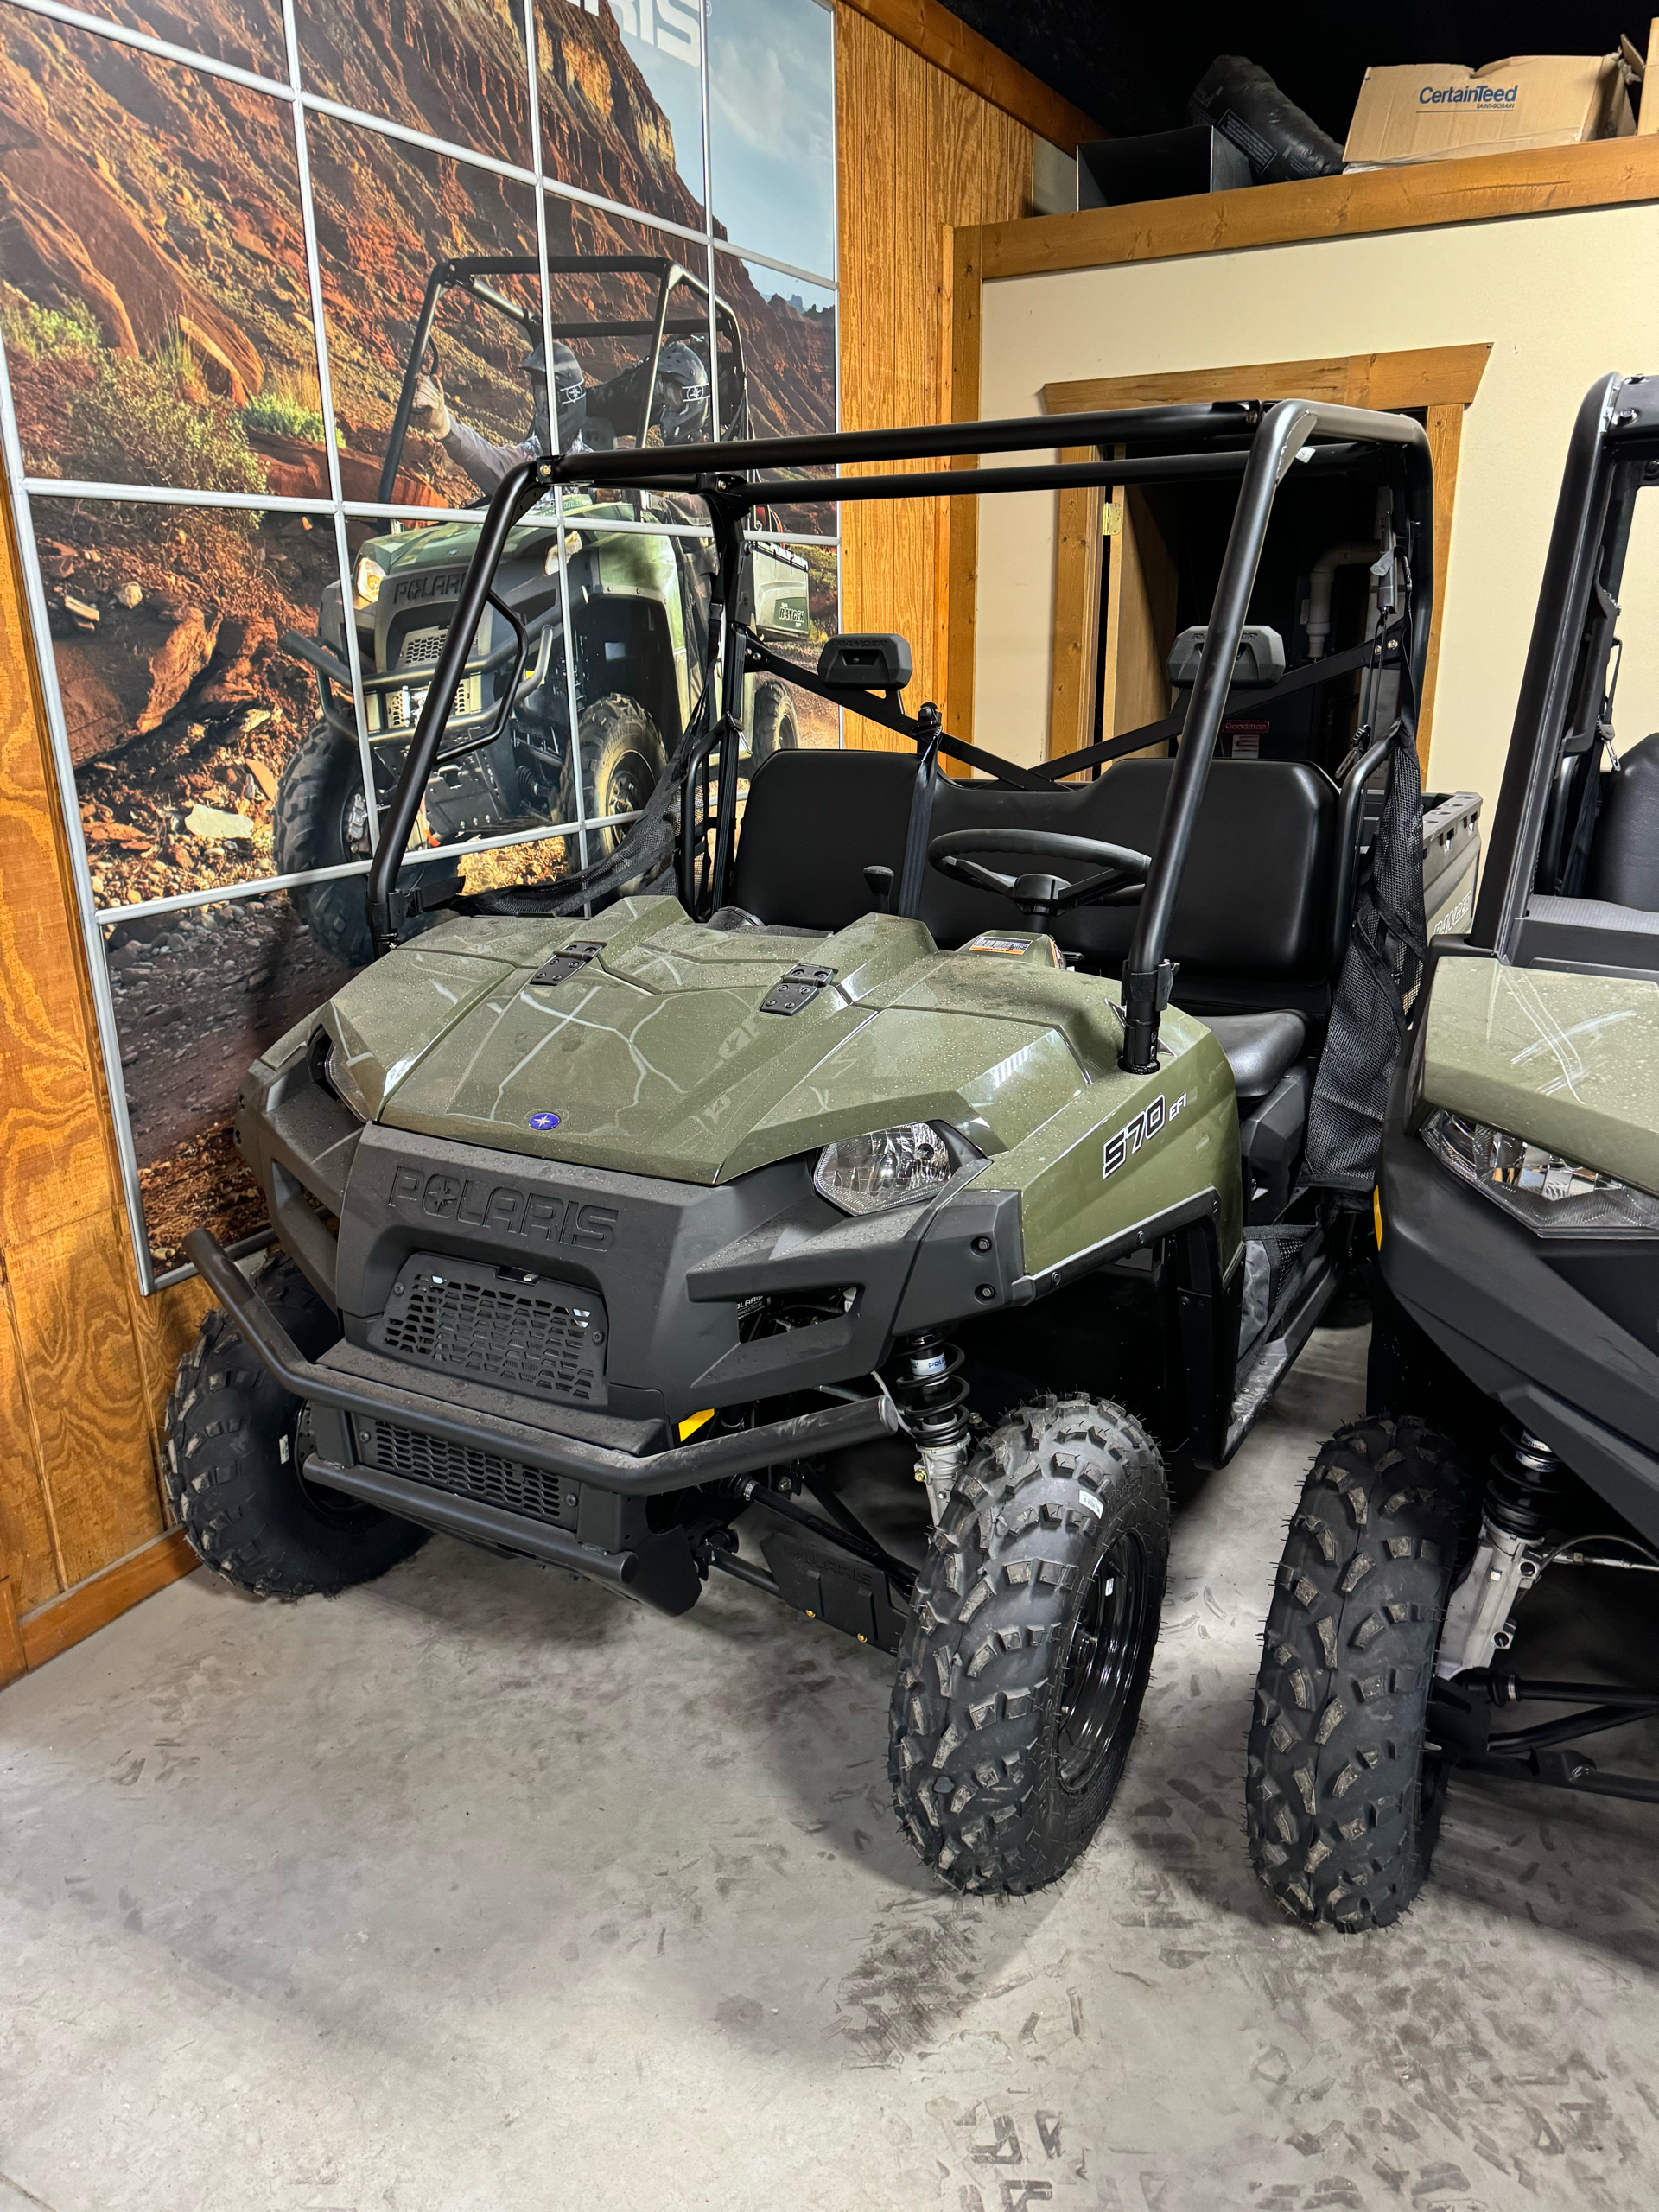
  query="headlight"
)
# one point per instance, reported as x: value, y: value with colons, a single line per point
x: 1550, y: 1195
x: 366, y: 580
x: 337, y: 1075
x: 888, y: 1168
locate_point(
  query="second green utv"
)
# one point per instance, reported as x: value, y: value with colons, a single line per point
x: 866, y: 1195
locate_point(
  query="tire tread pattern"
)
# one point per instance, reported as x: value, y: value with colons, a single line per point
x: 239, y: 1503
x: 974, y: 1705
x: 616, y: 720
x: 1334, y: 1799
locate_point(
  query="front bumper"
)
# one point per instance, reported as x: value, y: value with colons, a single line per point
x: 592, y: 1522
x: 688, y: 1276
x: 361, y: 1386
x: 1480, y: 1286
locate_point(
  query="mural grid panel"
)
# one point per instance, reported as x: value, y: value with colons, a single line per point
x: 280, y: 282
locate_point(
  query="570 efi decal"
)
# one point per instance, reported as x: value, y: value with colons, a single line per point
x: 1133, y: 1135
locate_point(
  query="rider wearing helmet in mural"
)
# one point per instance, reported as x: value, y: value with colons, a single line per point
x: 680, y: 410
x: 485, y: 461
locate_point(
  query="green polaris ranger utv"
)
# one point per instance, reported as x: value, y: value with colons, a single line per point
x: 1513, y: 1392
x: 634, y: 597
x: 862, y: 1199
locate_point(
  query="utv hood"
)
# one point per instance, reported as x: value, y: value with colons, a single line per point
x: 659, y: 1056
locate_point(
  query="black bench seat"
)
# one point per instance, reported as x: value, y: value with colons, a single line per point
x: 1253, y: 930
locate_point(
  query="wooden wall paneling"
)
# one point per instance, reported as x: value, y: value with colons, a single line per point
x: 164, y: 1326
x: 1077, y: 583
x: 86, y: 1388
x: 14, y: 1660
x: 1487, y: 188
x: 28, y: 1551
x: 1439, y: 381
x: 901, y: 571
x: 957, y: 53
x: 961, y: 600
x: 881, y: 89
x: 94, y: 1604
x: 1140, y: 621
x: 919, y: 153
x: 55, y: 1159
x: 82, y: 1358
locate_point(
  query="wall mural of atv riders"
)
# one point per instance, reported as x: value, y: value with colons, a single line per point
x: 285, y: 287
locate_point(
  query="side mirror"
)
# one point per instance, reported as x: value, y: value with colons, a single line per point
x: 866, y: 661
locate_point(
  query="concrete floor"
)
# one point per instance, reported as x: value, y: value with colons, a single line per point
x: 478, y: 1891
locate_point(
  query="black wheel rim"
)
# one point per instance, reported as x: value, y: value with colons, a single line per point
x: 629, y: 784
x: 354, y: 825
x: 1102, y: 1665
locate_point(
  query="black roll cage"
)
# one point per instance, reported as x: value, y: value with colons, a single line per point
x: 1257, y: 444
x: 1559, y: 710
x: 470, y: 273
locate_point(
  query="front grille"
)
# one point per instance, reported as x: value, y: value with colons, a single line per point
x: 545, y: 1338
x: 463, y: 1472
x: 420, y: 650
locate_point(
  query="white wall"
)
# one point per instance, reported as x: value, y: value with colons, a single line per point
x: 1562, y: 298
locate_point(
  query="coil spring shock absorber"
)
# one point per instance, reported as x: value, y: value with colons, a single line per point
x: 1523, y: 1494
x: 933, y: 1397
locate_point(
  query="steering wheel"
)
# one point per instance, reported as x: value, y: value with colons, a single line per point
x: 1119, y: 876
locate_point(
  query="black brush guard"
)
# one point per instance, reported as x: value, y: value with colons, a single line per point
x: 657, y: 1572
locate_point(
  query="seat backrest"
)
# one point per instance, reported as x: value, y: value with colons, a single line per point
x: 1255, y: 904
x: 1262, y: 872
x: 1625, y: 854
x: 813, y: 823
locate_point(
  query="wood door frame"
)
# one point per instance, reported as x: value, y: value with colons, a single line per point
x: 1439, y: 380
x: 1480, y: 188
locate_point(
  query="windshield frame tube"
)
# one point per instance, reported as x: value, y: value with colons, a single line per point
x: 518, y: 492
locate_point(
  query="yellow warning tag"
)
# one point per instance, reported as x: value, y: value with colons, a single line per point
x: 693, y: 1422
x: 1013, y: 947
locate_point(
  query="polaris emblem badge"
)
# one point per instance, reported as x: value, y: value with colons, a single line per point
x: 545, y: 1121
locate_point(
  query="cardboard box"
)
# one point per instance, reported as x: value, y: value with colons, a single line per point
x: 1432, y: 110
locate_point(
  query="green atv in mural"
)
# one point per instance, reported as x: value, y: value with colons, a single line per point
x: 634, y: 594
x: 862, y: 1199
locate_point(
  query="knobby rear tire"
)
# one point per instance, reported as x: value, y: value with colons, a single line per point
x: 622, y: 757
